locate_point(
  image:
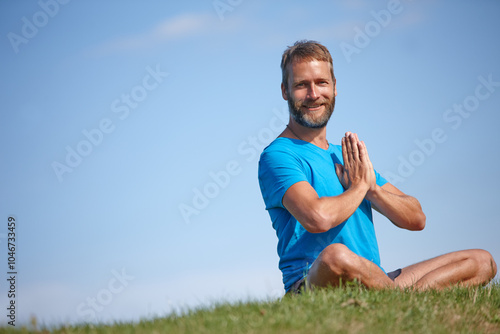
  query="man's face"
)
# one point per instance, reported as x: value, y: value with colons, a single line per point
x: 311, y: 93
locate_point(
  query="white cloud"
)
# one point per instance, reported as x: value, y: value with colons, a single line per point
x: 182, y: 26
x: 172, y: 28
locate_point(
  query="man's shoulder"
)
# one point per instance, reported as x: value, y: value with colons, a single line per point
x: 280, y: 144
x: 278, y: 148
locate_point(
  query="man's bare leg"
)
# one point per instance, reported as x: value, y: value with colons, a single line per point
x: 336, y: 263
x: 466, y: 268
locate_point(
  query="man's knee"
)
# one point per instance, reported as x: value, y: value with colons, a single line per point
x: 338, y: 258
x: 486, y: 264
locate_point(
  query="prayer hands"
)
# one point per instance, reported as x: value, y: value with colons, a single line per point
x: 357, y: 169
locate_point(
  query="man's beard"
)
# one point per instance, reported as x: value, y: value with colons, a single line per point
x: 309, y: 119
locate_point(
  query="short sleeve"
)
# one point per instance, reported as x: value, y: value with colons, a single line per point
x: 380, y: 179
x: 278, y: 171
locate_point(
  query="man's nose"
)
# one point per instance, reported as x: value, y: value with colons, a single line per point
x: 313, y: 92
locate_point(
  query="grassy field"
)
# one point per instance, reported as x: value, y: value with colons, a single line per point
x: 342, y: 310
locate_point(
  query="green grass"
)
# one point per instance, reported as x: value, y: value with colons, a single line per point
x: 353, y: 309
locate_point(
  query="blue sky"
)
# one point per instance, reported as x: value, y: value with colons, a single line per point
x: 131, y: 134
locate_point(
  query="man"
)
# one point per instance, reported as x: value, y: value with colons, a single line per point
x: 319, y: 196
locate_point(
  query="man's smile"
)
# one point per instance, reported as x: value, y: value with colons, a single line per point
x: 313, y: 108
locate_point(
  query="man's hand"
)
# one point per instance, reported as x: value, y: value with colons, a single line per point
x: 320, y: 214
x: 358, y: 169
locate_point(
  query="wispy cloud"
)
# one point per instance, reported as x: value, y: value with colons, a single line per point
x: 182, y: 26
x: 172, y: 28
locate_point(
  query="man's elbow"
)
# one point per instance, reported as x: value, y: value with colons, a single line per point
x: 417, y: 218
x: 316, y: 228
x: 318, y: 222
x: 419, y: 222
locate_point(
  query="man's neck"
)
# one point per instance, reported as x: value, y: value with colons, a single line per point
x: 311, y: 135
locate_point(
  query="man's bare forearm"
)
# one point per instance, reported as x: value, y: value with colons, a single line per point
x: 335, y: 210
x: 402, y: 210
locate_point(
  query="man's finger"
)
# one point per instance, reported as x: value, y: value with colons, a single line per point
x: 349, y: 153
x: 339, y: 169
x: 363, y: 153
x: 365, y: 158
x: 354, y: 146
x: 344, y: 150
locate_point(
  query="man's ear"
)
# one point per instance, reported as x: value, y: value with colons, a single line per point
x: 335, y: 87
x: 283, y: 92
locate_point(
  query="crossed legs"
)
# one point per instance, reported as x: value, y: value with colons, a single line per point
x: 466, y: 268
x: 336, y: 264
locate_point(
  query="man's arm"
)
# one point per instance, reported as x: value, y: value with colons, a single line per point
x: 321, y: 214
x: 402, y: 210
x: 358, y: 178
x: 317, y: 214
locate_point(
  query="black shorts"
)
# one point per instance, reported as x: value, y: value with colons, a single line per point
x: 393, y: 274
x: 298, y: 287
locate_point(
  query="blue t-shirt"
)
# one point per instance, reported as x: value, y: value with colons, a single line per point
x: 287, y: 161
